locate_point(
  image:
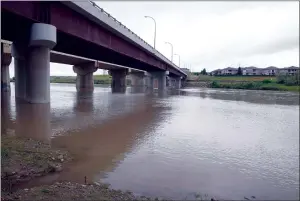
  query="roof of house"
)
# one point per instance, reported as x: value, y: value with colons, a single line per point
x: 291, y: 67
x: 253, y: 67
x: 270, y: 68
x: 250, y: 67
x: 229, y: 68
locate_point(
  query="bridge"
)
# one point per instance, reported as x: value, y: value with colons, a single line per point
x: 41, y: 32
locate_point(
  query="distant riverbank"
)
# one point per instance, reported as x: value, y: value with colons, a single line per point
x: 98, y: 79
x: 280, y: 83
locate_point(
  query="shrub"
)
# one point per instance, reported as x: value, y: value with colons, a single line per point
x: 266, y: 81
x: 281, y: 78
x: 215, y: 84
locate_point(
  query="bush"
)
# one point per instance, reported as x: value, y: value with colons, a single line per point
x: 215, y: 84
x: 266, y: 81
x: 288, y: 80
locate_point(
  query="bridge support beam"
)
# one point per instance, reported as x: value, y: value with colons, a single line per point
x: 32, y: 65
x: 5, y: 62
x: 118, y: 84
x: 84, y: 79
x: 159, y: 81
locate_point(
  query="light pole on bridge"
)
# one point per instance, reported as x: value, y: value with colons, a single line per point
x: 171, y: 50
x: 178, y: 59
x: 154, y: 29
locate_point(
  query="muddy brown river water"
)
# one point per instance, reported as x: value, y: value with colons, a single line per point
x: 229, y: 144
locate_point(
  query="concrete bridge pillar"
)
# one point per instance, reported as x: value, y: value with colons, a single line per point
x: 5, y: 62
x: 20, y: 55
x: 33, y: 64
x: 118, y: 84
x: 138, y: 81
x: 84, y: 79
x: 177, y: 82
x: 159, y: 80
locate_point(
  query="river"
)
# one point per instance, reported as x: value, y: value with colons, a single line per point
x: 227, y: 144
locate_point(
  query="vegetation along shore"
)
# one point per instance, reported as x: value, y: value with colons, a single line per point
x: 277, y: 83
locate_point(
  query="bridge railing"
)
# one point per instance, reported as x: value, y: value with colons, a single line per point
x: 154, y: 51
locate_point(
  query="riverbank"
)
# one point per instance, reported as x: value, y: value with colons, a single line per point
x: 254, y: 86
x: 25, y: 159
x: 247, y: 82
x: 98, y: 79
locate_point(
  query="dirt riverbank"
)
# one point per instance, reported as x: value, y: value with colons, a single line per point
x: 26, y: 159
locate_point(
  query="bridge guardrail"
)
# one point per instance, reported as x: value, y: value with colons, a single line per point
x: 154, y: 51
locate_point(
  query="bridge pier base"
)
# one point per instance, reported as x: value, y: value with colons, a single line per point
x: 159, y: 80
x: 85, y: 79
x: 5, y: 62
x: 32, y: 64
x: 37, y: 125
x: 118, y: 84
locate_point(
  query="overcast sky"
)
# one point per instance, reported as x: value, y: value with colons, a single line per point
x: 213, y: 34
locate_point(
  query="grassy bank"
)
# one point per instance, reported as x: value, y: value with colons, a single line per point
x: 98, y: 79
x: 277, y: 83
x: 258, y: 85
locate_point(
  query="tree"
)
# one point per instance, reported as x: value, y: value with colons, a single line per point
x: 239, y: 72
x: 203, y: 72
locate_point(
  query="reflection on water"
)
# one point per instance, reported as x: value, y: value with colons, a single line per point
x: 224, y: 143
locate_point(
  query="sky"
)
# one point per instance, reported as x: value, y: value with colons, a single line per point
x: 214, y: 34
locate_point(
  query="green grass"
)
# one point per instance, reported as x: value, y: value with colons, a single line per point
x: 258, y: 85
x: 98, y: 79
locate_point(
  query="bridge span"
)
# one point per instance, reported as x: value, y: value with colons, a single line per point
x: 75, y: 28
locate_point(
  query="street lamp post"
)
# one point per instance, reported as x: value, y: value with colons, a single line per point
x: 178, y: 58
x: 171, y: 50
x: 154, y: 29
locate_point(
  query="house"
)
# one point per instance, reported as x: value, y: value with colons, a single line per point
x: 271, y: 70
x: 229, y: 71
x: 251, y: 70
x: 292, y: 70
x: 216, y: 72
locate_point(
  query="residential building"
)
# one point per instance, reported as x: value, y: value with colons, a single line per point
x: 271, y: 70
x: 252, y: 70
x: 229, y: 71
x: 216, y: 72
x: 292, y: 70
